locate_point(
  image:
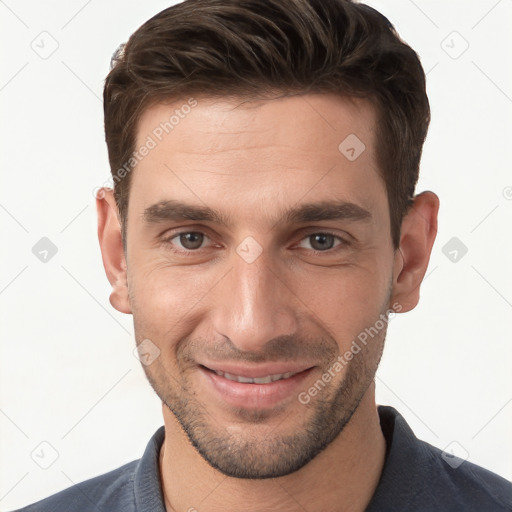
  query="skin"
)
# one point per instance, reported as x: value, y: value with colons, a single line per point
x: 251, y: 162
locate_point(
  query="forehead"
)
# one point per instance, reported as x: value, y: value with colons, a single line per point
x: 261, y: 154
x: 308, y: 119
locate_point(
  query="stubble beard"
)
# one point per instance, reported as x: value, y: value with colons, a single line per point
x: 270, y: 455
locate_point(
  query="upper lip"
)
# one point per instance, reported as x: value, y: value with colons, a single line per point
x: 255, y: 372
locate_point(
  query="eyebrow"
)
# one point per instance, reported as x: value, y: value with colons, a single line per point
x: 176, y: 211
x: 172, y: 210
x: 327, y: 210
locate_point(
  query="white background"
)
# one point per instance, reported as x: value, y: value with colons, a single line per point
x: 68, y: 374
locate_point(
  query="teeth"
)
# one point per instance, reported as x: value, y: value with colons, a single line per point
x: 263, y: 380
x: 257, y: 380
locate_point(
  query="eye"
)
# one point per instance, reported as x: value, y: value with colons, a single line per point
x: 190, y: 240
x: 321, y: 242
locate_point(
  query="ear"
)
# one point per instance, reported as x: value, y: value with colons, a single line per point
x: 418, y: 232
x: 112, y: 253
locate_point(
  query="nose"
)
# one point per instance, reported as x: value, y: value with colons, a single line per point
x: 253, y: 305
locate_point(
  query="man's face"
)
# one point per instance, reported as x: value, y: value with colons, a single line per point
x: 256, y: 248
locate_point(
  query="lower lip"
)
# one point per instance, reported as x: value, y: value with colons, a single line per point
x: 254, y: 396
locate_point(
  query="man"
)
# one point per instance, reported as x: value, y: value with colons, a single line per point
x: 263, y: 222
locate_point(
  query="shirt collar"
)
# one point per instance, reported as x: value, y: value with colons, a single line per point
x: 405, y: 466
x: 147, y: 483
x: 397, y: 474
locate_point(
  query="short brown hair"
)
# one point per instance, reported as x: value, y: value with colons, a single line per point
x: 254, y: 48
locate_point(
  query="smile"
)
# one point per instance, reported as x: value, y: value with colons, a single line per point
x: 256, y: 380
x: 253, y: 387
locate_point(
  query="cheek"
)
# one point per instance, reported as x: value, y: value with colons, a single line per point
x: 170, y: 302
x: 165, y: 299
x: 345, y: 301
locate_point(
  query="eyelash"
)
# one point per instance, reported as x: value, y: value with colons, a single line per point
x: 189, y: 252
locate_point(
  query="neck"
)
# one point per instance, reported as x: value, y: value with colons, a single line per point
x: 342, y: 478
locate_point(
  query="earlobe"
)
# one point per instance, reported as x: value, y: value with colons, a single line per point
x: 418, y: 233
x: 111, y: 244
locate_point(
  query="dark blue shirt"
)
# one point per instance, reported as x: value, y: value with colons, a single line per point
x: 416, y: 477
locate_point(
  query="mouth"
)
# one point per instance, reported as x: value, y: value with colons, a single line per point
x: 250, y: 387
x: 256, y: 380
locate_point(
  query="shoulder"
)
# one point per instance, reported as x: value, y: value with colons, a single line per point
x: 111, y: 491
x: 420, y: 477
x: 134, y: 486
x: 461, y: 484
